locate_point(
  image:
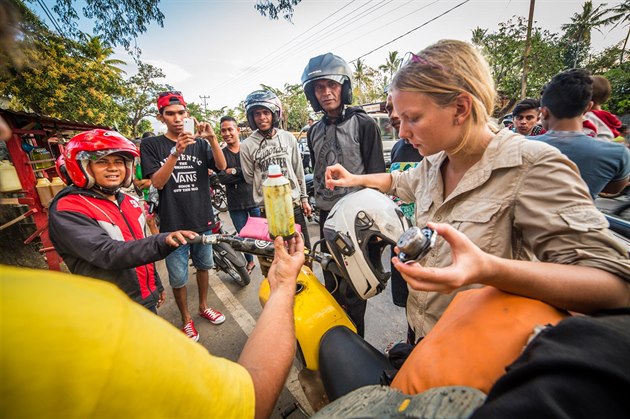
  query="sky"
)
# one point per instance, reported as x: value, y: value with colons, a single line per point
x: 226, y: 49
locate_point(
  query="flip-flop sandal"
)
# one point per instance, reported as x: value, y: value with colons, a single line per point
x: 250, y: 269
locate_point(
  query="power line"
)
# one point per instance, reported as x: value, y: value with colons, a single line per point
x: 331, y: 31
x: 50, y: 16
x: 270, y: 56
x: 413, y: 30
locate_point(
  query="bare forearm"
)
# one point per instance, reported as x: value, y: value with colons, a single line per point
x: 571, y: 287
x: 380, y: 181
x: 270, y: 349
x: 219, y: 158
x: 160, y: 178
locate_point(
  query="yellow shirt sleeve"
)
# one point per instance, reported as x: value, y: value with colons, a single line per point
x: 76, y: 347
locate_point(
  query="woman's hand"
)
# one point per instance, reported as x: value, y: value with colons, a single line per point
x: 337, y: 175
x: 469, y: 265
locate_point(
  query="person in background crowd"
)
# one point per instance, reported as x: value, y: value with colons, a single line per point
x: 345, y: 135
x: 605, y: 125
x: 268, y: 145
x: 143, y: 187
x: 177, y: 164
x: 526, y: 116
x: 240, y: 197
x: 604, y: 166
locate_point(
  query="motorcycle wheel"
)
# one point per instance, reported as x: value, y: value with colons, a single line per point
x: 238, y: 274
x: 219, y: 200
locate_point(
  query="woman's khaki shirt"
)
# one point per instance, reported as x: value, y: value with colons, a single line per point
x: 523, y: 200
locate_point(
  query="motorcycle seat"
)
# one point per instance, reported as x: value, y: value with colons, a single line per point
x: 347, y: 362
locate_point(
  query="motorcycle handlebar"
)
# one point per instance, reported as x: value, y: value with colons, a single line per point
x: 263, y: 248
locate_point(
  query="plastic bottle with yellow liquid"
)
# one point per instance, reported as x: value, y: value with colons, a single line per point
x: 278, y: 204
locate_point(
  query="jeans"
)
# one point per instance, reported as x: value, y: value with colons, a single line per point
x: 177, y: 261
x: 239, y: 218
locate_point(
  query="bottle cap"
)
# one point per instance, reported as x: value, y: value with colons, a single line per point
x: 274, y: 170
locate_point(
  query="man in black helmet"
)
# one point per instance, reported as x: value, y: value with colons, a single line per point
x: 345, y: 135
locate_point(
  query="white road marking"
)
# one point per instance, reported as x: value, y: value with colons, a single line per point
x: 247, y: 323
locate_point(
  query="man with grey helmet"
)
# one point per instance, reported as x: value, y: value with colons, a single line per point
x: 345, y: 135
x: 269, y: 145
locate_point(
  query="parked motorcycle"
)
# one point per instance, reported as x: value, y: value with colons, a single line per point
x: 374, y: 228
x: 218, y: 195
x: 228, y: 260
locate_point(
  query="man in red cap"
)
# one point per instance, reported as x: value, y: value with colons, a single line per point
x: 177, y: 164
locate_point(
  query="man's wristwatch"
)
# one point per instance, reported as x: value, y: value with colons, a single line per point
x: 232, y: 171
x: 174, y: 152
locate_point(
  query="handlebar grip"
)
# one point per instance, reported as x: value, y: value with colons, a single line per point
x: 196, y: 240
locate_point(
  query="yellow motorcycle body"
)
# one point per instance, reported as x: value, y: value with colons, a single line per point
x: 316, y: 311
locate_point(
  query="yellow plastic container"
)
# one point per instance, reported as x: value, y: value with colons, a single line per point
x: 278, y: 204
x: 56, y: 185
x: 43, y: 190
x: 9, y: 180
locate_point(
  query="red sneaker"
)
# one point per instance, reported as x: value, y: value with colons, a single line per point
x: 190, y: 331
x: 213, y: 316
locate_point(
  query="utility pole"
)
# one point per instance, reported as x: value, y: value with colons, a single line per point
x: 205, y: 108
x: 527, y: 48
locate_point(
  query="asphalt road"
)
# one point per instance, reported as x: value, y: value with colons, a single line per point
x: 385, y: 322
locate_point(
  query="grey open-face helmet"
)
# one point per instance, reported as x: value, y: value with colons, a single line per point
x: 267, y: 100
x: 362, y: 224
x: 331, y: 67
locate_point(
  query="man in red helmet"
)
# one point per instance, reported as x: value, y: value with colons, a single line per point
x: 98, y: 230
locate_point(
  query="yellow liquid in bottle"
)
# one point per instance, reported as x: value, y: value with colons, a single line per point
x: 279, y: 207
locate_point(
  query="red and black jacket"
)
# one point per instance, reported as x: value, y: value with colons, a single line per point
x: 103, y: 239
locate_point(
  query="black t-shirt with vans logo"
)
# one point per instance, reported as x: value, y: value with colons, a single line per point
x: 185, y: 199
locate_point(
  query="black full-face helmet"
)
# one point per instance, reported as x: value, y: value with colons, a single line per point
x: 264, y: 99
x: 330, y: 67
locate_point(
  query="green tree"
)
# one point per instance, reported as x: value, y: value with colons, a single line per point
x: 60, y: 80
x: 577, y: 35
x: 139, y: 99
x: 619, y: 15
x: 117, y: 22
x: 99, y: 52
x: 273, y: 9
x: 391, y: 66
x: 619, y: 78
x: 504, y: 52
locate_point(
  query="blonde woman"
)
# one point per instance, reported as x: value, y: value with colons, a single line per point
x: 511, y: 213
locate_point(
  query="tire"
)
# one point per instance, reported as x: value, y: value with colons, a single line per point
x: 238, y: 274
x: 219, y: 199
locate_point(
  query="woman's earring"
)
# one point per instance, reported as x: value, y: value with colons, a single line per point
x: 456, y: 121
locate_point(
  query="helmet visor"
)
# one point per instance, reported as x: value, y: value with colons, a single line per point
x: 99, y: 154
x: 334, y: 77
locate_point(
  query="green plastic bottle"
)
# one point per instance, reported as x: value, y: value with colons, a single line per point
x: 278, y: 204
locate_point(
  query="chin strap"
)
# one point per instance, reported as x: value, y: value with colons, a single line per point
x: 267, y: 134
x: 107, y: 191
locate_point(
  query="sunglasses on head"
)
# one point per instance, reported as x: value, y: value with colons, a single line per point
x: 173, y: 92
x: 410, y: 58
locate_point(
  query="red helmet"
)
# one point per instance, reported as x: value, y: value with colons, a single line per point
x: 60, y: 164
x: 91, y: 146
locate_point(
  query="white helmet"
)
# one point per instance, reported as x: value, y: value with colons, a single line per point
x: 361, y: 224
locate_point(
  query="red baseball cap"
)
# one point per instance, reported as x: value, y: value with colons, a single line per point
x: 170, y: 98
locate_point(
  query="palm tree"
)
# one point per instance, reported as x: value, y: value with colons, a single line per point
x: 582, y: 24
x: 391, y: 65
x: 619, y: 15
x: 98, y: 51
x: 359, y: 78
